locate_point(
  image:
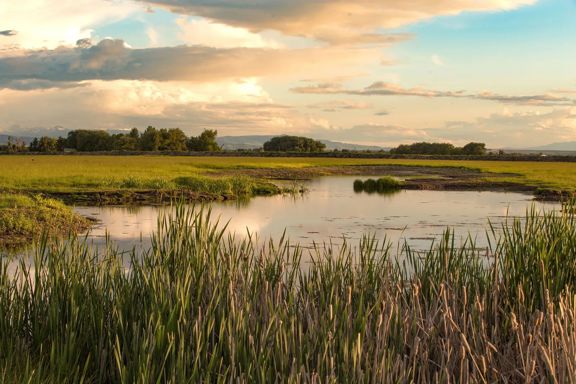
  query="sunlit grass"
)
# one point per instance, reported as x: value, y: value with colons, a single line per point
x: 23, y: 218
x: 100, y: 172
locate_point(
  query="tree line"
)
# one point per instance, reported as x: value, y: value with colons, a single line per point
x: 151, y: 140
x: 175, y: 140
x: 424, y: 148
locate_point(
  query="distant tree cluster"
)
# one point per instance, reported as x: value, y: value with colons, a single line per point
x: 423, y: 148
x: 293, y: 144
x: 151, y: 140
x: 14, y: 145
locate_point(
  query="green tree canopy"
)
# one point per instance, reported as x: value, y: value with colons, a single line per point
x: 293, y: 144
x: 90, y: 141
x: 424, y: 148
x: 474, y: 149
x: 44, y: 144
x: 206, y: 142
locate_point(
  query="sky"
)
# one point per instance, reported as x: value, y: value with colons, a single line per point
x: 377, y: 72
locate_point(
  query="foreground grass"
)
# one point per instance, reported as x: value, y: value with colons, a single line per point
x: 64, y: 173
x: 25, y: 218
x: 203, y: 307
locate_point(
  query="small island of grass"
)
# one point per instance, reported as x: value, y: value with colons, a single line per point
x: 25, y: 218
x: 384, y: 184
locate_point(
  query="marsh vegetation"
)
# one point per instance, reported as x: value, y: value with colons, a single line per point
x: 203, y: 306
x: 384, y: 184
x: 24, y: 218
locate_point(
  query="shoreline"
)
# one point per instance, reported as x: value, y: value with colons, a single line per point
x: 413, y: 177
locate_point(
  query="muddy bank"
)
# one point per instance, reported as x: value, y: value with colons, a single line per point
x: 131, y: 197
x: 153, y: 196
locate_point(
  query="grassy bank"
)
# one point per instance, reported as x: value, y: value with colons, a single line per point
x: 68, y: 173
x: 25, y: 218
x: 201, y: 307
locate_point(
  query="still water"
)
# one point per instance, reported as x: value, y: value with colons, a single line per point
x: 331, y: 211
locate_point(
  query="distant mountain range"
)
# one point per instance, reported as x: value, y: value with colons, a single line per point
x: 4, y: 139
x: 257, y: 141
x: 565, y: 146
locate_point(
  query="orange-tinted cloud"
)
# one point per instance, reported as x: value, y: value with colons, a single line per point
x: 333, y: 21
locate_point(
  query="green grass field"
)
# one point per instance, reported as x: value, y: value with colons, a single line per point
x: 58, y: 173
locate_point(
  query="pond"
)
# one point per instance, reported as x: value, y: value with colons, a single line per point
x: 330, y: 211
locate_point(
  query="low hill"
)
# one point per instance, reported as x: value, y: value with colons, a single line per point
x: 564, y: 146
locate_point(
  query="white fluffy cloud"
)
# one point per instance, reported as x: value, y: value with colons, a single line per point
x: 204, y: 32
x: 37, y: 24
x: 240, y: 107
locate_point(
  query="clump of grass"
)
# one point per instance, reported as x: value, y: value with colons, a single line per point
x: 382, y: 185
x: 144, y: 183
x: 10, y: 200
x: 201, y: 306
x: 24, y: 218
x: 239, y: 186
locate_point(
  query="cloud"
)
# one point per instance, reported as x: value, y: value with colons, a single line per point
x: 114, y: 60
x: 388, y: 89
x: 34, y: 84
x: 241, y: 107
x: 340, y: 105
x: 545, y: 100
x: 437, y: 60
x: 498, y: 130
x: 373, y: 134
x: 8, y: 32
x: 509, y: 129
x: 211, y: 34
x: 47, y: 24
x: 376, y: 89
x: 334, y: 21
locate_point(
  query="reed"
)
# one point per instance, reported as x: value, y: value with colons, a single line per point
x: 203, y: 306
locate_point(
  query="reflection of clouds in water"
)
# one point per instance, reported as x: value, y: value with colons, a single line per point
x: 123, y: 223
x: 243, y: 222
x: 331, y: 210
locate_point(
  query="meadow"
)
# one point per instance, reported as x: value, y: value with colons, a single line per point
x: 70, y: 173
x: 201, y: 306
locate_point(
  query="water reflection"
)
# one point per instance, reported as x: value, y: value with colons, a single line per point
x: 330, y: 212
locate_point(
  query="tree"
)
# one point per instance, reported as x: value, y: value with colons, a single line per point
x: 34, y: 144
x: 90, y: 141
x: 15, y: 144
x: 424, y: 148
x: 61, y: 144
x: 44, y: 144
x: 475, y: 149
x: 206, y: 142
x: 127, y: 142
x: 293, y: 144
x: 122, y: 142
x: 150, y: 139
x: 173, y: 140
